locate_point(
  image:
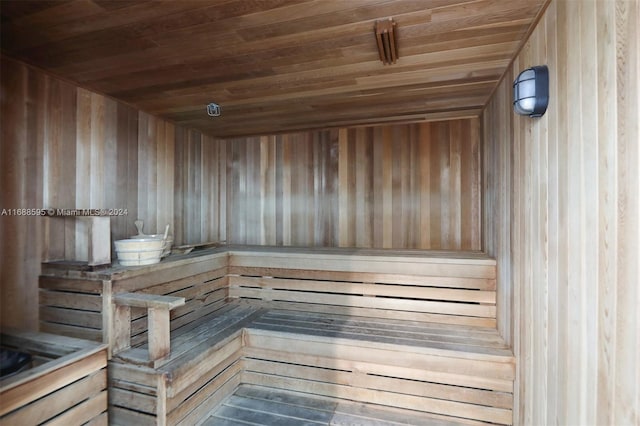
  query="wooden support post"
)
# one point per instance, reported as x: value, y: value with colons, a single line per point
x: 122, y: 328
x: 158, y: 308
x: 159, y: 333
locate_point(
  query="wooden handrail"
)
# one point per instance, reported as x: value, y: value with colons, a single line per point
x: 158, y: 308
x: 142, y: 300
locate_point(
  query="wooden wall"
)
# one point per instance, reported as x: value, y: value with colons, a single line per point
x: 66, y: 147
x: 405, y: 186
x: 200, y: 202
x: 562, y: 217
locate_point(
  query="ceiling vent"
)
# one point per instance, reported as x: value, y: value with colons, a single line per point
x: 386, y: 40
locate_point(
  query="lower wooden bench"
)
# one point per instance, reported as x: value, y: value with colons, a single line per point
x: 65, y: 385
x: 434, y: 368
x: 442, y: 370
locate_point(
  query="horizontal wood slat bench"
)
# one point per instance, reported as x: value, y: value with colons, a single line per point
x: 65, y: 383
x: 404, y: 330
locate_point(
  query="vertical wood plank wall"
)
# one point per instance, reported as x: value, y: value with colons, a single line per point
x: 66, y: 147
x: 562, y: 216
x: 200, y: 188
x: 405, y: 186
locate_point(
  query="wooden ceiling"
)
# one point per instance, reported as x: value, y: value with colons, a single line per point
x: 274, y: 65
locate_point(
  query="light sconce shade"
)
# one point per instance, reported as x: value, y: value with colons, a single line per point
x: 531, y: 91
x: 386, y: 41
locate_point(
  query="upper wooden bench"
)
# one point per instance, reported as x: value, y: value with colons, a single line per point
x: 443, y: 287
x: 406, y: 329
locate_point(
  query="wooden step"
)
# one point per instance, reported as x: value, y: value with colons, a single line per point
x: 438, y: 369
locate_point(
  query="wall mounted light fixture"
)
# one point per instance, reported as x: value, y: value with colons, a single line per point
x: 531, y: 91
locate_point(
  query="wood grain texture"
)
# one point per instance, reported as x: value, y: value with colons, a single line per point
x: 402, y: 186
x: 562, y: 218
x: 68, y: 388
x: 276, y: 65
x: 397, y: 186
x: 278, y: 407
x: 357, y: 367
x: 404, y: 289
x: 199, y: 197
x: 337, y: 343
x: 66, y: 147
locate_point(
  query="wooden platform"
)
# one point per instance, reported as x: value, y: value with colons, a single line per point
x: 404, y: 330
x: 437, y: 369
x: 257, y: 405
x: 442, y: 370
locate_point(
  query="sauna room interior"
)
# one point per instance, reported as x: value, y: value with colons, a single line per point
x: 352, y: 224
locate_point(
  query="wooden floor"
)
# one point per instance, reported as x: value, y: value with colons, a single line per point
x: 256, y: 405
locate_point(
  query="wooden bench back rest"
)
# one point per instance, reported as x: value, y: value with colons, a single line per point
x: 453, y: 291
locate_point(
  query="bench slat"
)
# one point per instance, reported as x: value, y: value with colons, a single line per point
x: 361, y: 332
x: 373, y: 396
x: 398, y: 290
x: 432, y: 376
x: 339, y: 408
x: 357, y: 377
x: 385, y: 314
x: 478, y: 361
x: 365, y: 277
x: 448, y: 308
x: 414, y: 265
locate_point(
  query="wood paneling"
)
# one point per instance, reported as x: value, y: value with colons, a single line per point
x: 275, y: 65
x: 66, y: 147
x: 200, y: 195
x: 403, y: 186
x: 562, y: 218
x: 64, y: 383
